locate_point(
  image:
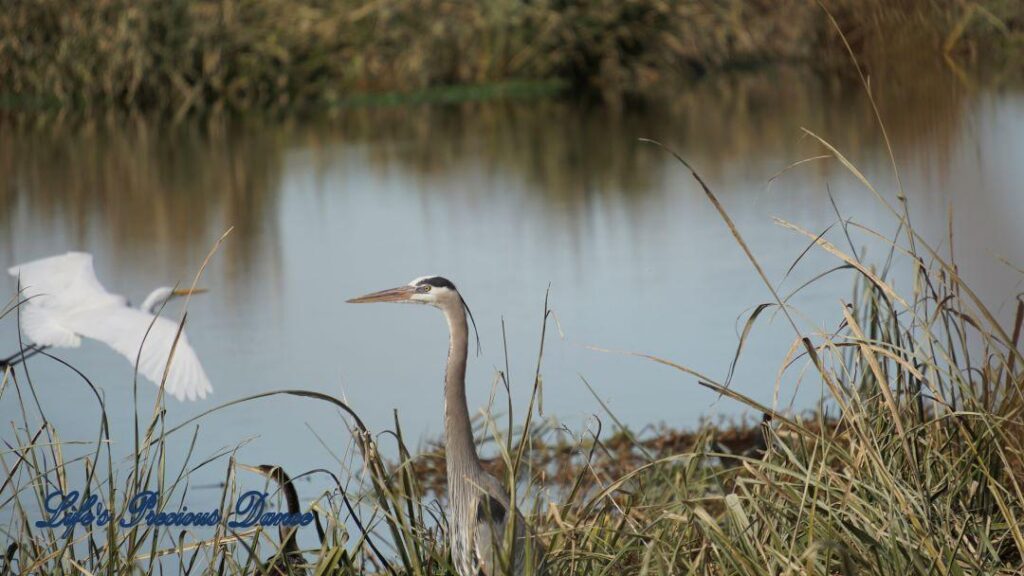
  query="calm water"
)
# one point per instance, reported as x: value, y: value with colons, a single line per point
x: 506, y: 199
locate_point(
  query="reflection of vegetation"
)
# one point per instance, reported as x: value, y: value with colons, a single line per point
x: 571, y: 154
x: 176, y: 56
x: 148, y: 186
x: 174, y: 187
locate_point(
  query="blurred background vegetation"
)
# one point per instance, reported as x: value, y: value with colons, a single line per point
x: 177, y: 56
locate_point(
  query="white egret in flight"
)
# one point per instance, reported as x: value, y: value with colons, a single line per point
x: 65, y: 302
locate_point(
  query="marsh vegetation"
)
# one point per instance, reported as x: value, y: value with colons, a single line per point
x: 203, y: 55
x: 911, y: 464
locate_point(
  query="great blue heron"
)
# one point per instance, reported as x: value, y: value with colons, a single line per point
x: 64, y: 301
x: 478, y: 503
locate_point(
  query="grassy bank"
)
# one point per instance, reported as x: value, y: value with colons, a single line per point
x: 913, y: 464
x: 201, y: 54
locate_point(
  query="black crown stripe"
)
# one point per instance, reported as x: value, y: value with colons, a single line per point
x: 437, y: 282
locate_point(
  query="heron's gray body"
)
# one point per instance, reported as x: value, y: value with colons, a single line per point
x: 478, y: 503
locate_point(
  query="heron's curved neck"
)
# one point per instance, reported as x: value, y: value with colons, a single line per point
x: 287, y: 534
x: 460, y: 450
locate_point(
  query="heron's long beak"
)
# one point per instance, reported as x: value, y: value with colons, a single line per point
x: 255, y: 469
x: 187, y: 291
x: 400, y: 294
x: 263, y: 469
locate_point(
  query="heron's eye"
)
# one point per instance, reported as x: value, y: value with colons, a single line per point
x: 423, y: 289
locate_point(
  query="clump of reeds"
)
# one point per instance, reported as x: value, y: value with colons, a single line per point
x: 282, y: 54
x: 918, y: 469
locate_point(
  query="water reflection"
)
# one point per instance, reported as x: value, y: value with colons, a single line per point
x: 172, y: 188
x: 160, y: 193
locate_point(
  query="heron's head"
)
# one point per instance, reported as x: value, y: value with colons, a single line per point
x: 274, y: 472
x: 437, y: 291
x: 434, y: 290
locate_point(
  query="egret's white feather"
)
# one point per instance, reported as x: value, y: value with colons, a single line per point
x: 43, y: 326
x: 66, y: 301
x: 125, y: 330
x: 66, y: 282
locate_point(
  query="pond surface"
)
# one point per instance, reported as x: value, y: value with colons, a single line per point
x: 507, y: 199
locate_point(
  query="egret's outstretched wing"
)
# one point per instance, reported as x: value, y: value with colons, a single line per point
x: 56, y: 288
x: 46, y: 327
x: 125, y: 330
x: 67, y: 281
